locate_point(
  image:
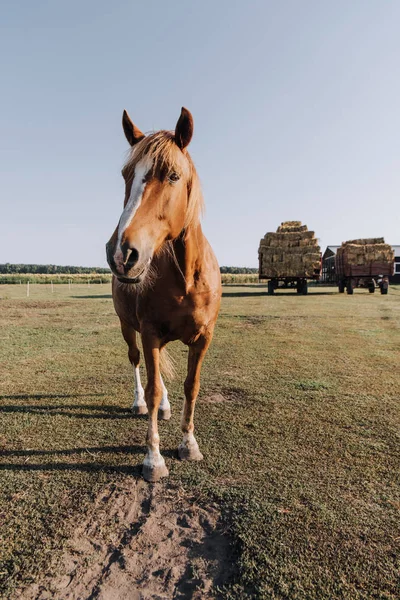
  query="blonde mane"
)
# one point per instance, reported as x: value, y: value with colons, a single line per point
x: 162, y: 149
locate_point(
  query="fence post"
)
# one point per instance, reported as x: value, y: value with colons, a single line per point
x: 52, y: 289
x: 27, y: 290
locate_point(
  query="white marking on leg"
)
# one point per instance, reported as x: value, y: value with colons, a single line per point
x: 139, y: 391
x: 189, y: 441
x: 154, y: 466
x: 153, y: 458
x: 164, y: 404
x: 189, y: 448
x: 135, y: 199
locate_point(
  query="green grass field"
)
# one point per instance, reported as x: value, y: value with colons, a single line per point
x: 302, y: 456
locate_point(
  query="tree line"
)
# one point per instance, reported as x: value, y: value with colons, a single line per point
x: 238, y: 270
x: 9, y: 268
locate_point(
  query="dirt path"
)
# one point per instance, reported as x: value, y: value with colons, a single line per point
x: 140, y: 542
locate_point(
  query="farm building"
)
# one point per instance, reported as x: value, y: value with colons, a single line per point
x: 328, y: 265
x: 396, y: 277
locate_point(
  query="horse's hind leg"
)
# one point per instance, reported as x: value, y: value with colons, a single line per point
x: 189, y: 449
x: 164, y: 412
x: 139, y: 406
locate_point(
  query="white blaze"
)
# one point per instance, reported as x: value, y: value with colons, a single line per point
x: 134, y: 201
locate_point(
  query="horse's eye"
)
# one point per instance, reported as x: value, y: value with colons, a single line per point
x: 173, y: 177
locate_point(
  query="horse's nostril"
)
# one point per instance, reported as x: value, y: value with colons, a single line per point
x: 132, y: 258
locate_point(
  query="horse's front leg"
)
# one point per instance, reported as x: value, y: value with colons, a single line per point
x: 139, y: 405
x: 154, y: 465
x: 189, y: 449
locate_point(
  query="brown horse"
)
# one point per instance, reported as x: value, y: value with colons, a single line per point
x: 166, y: 282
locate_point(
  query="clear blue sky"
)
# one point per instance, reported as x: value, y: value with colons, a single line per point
x: 296, y: 107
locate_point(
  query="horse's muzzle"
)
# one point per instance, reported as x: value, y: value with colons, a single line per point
x: 128, y: 258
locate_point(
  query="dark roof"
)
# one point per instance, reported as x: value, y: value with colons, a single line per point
x: 330, y: 251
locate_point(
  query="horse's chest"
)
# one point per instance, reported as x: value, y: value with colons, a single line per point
x: 180, y: 317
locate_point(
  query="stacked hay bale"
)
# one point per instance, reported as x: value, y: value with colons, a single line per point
x: 292, y: 251
x: 365, y: 251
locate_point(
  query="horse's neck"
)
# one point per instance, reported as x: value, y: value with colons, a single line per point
x: 189, y: 252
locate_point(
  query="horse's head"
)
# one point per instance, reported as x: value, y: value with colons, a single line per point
x: 162, y: 196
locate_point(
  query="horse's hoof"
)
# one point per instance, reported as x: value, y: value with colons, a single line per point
x: 164, y: 415
x: 191, y: 452
x: 153, y: 474
x: 139, y: 409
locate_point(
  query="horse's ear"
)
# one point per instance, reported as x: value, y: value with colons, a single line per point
x: 132, y: 133
x: 184, y: 129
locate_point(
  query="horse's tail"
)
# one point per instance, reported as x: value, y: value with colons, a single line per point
x: 167, y: 364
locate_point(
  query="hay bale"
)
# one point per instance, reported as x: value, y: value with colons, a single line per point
x: 291, y: 251
x: 291, y: 226
x: 364, y: 251
x: 290, y: 239
x: 365, y: 241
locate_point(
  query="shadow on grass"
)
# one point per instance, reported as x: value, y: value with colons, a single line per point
x: 89, y: 297
x: 228, y: 294
x: 107, y: 449
x: 294, y: 294
x: 135, y: 470
x: 103, y: 412
x: 288, y: 294
x: 39, y: 396
x: 87, y: 466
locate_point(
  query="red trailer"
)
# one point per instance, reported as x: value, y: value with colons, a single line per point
x: 289, y: 257
x: 370, y: 275
x: 299, y: 282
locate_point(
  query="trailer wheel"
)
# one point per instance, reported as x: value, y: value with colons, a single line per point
x: 299, y: 287
x: 384, y: 288
x: 270, y: 288
x: 371, y: 288
x: 341, y: 287
x: 349, y: 287
x: 304, y: 290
